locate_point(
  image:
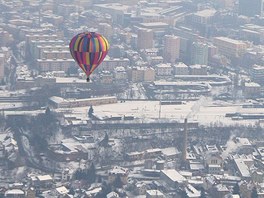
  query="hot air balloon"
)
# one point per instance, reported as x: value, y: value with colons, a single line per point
x: 88, y: 49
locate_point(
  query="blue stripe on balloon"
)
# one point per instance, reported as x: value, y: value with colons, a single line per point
x: 85, y: 41
x: 91, y: 54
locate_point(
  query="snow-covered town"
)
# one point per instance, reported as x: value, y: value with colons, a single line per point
x: 175, y: 109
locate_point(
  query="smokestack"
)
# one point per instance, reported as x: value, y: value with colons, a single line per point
x: 185, y: 135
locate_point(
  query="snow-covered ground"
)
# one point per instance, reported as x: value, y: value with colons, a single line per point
x: 4, y: 106
x: 206, y: 112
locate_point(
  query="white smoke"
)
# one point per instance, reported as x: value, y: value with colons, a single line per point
x: 231, y: 146
x: 196, y: 107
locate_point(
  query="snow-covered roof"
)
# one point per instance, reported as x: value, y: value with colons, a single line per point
x: 221, y: 188
x: 112, y: 195
x: 153, y: 150
x: 244, y: 141
x: 191, y: 191
x: 94, y: 191
x: 10, y: 141
x: 44, y: 177
x: 242, y: 167
x: 196, y: 166
x: 252, y: 84
x: 170, y: 151
x: 197, y: 66
x: 118, y: 170
x: 154, y: 193
x: 214, y: 166
x: 14, y: 192
x: 75, y: 146
x: 57, y: 99
x: 174, y: 175
x: 181, y: 65
x: 62, y: 190
x: 229, y: 40
x: 206, y: 13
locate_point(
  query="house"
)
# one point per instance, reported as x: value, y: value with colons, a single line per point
x: 60, y: 192
x: 214, y: 163
x: 244, y: 146
x: 31, y: 192
x: 219, y: 191
x: 170, y: 153
x: 180, y: 69
x: 120, y: 74
x: 93, y: 192
x: 257, y: 176
x: 214, y: 169
x: 246, y: 188
x: 140, y: 188
x: 66, y: 175
x: 242, y: 166
x: 172, y: 177
x: 192, y: 192
x: 152, y: 153
x: 154, y: 194
x: 164, y: 69
x: 118, y: 172
x: 106, y: 77
x: 134, y: 156
x: 43, y: 181
x: 17, y: 193
x: 209, y: 182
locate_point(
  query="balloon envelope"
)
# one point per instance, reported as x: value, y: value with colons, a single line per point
x: 88, y: 49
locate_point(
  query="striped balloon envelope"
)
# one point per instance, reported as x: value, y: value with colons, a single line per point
x: 89, y: 50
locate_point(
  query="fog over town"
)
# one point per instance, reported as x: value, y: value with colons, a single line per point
x: 175, y: 108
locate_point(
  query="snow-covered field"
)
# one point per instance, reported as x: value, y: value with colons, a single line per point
x: 206, y: 112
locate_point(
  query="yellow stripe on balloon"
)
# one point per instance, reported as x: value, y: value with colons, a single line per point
x: 105, y: 44
x: 96, y: 42
x: 100, y: 55
x: 77, y: 43
x: 87, y: 57
x: 82, y: 67
x: 90, y: 46
x: 81, y: 45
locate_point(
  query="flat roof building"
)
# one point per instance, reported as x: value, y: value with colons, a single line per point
x: 172, y: 177
x: 58, y: 102
x: 230, y: 47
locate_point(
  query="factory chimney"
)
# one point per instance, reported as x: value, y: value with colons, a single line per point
x: 185, y: 136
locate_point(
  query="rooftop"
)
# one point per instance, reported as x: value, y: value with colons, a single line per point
x: 206, y: 13
x: 181, y: 65
x: 14, y: 192
x: 118, y: 170
x: 155, y: 193
x: 163, y: 65
x: 44, y: 177
x: 242, y: 167
x: 114, y: 6
x: 229, y: 40
x: 252, y: 84
x: 62, y: 190
x: 154, y: 24
x: 174, y: 175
